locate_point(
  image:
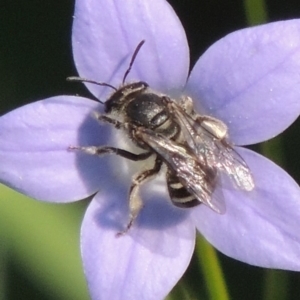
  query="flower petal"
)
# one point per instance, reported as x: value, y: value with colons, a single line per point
x: 106, y: 34
x: 34, y: 156
x: 250, y: 80
x: 144, y: 263
x: 262, y: 227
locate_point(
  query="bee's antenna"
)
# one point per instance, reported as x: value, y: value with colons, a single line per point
x: 136, y: 51
x: 79, y: 79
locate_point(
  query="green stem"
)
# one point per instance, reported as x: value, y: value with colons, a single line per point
x: 256, y: 11
x: 179, y: 292
x: 212, y: 270
x: 273, y: 149
x: 276, y: 285
x: 3, y: 265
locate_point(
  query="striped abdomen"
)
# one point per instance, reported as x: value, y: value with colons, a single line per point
x: 178, y: 193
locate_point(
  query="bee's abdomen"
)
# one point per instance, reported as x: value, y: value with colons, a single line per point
x: 179, y: 195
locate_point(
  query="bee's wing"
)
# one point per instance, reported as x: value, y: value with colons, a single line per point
x: 207, y: 137
x: 237, y: 169
x: 197, y: 178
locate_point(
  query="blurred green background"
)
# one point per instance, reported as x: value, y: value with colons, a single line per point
x: 39, y: 242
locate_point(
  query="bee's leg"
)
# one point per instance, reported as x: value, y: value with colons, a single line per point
x: 104, y: 118
x: 117, y: 124
x: 94, y: 150
x: 135, y: 202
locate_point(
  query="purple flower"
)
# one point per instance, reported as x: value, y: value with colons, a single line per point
x: 249, y: 80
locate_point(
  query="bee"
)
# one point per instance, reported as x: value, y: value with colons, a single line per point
x: 194, y: 148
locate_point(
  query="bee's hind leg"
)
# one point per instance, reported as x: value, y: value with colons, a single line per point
x: 101, y: 150
x: 135, y: 202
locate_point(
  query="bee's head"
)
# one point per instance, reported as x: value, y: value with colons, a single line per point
x: 123, y: 95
